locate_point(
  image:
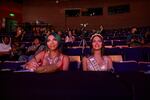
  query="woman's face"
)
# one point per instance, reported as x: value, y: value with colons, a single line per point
x: 133, y: 30
x: 19, y: 30
x: 52, y: 43
x: 6, y: 40
x: 69, y: 33
x: 97, y: 43
x: 36, y: 41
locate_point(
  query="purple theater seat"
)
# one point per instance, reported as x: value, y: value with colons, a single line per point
x: 12, y: 65
x: 125, y: 66
x: 135, y: 53
x: 144, y: 66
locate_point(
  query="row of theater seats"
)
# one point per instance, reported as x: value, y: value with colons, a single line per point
x: 76, y: 65
x: 118, y: 64
x: 136, y: 53
x: 128, y: 53
x: 106, y: 42
x: 115, y: 43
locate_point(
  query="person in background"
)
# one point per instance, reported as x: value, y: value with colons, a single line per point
x: 5, y: 48
x: 51, y: 59
x: 69, y: 37
x: 135, y: 38
x: 19, y: 34
x: 97, y: 61
x: 147, y: 38
x: 61, y: 35
x: 32, y: 50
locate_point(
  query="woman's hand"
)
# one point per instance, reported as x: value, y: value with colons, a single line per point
x: 47, y: 68
x: 32, y: 65
x: 42, y: 69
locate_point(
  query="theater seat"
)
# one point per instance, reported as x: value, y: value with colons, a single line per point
x: 144, y: 66
x: 125, y: 66
x: 134, y: 53
x: 75, y: 63
x: 12, y: 65
x: 73, y: 51
x: 116, y: 58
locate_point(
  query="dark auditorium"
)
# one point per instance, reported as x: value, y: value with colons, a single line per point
x: 74, y: 49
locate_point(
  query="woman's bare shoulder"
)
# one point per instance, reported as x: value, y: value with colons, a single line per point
x: 108, y: 58
x: 84, y: 58
x: 65, y: 56
x: 40, y: 54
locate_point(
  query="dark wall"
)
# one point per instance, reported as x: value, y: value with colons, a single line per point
x: 10, y: 7
x: 53, y: 13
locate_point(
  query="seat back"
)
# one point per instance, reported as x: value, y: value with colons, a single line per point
x: 116, y: 58
x: 144, y: 66
x: 119, y: 42
x: 12, y: 65
x: 125, y: 66
x: 73, y: 51
x: 75, y: 63
x: 134, y: 53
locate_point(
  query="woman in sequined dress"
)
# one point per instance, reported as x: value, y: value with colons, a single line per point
x: 51, y: 59
x: 97, y: 61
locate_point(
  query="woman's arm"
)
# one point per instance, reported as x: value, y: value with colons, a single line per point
x: 84, y: 64
x: 110, y: 65
x: 35, y: 61
x: 66, y: 62
x: 47, y: 68
x: 54, y: 67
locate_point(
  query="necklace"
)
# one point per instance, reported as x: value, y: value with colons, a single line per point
x: 53, y: 60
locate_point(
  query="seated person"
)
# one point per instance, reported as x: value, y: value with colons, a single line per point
x: 97, y: 61
x: 19, y: 34
x: 5, y: 48
x: 147, y: 38
x: 135, y: 38
x: 32, y: 50
x: 69, y: 37
x: 51, y: 59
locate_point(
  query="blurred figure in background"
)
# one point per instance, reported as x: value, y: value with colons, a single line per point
x: 69, y: 37
x: 5, y: 48
x: 147, y: 38
x: 135, y: 38
x: 32, y: 50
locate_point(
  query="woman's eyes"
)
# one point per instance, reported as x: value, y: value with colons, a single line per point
x: 97, y: 41
x: 54, y: 40
x: 51, y: 40
x: 48, y: 40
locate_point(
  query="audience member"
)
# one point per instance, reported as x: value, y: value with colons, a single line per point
x: 32, y: 50
x: 69, y: 37
x: 51, y: 59
x: 5, y: 48
x: 135, y: 38
x: 97, y: 61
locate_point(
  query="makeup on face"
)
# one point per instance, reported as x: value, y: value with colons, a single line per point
x: 52, y: 42
x: 97, y: 42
